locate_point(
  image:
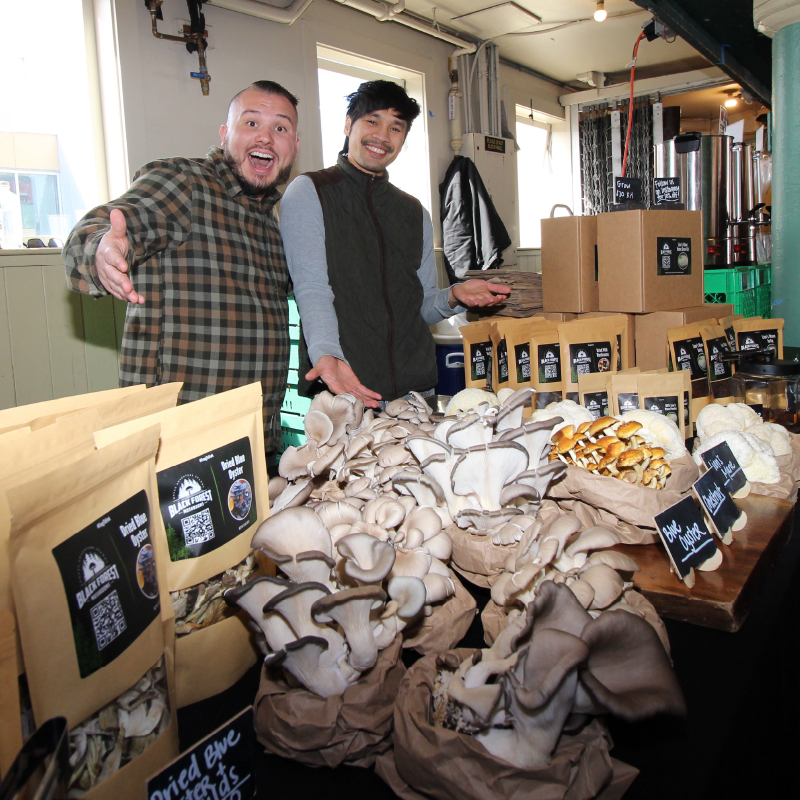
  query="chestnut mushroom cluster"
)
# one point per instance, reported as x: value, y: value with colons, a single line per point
x: 549, y: 672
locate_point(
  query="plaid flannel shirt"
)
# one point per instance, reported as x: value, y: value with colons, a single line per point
x: 209, y: 261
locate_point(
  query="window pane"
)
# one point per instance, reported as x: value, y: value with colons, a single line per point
x: 534, y: 199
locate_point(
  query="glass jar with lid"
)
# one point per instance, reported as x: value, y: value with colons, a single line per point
x: 769, y: 384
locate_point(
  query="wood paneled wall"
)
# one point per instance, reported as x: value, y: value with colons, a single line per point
x: 53, y: 342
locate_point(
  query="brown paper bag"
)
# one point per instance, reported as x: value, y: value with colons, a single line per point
x: 494, y: 621
x: 758, y: 334
x: 588, y: 345
x: 547, y: 370
x: 25, y: 458
x: 688, y: 353
x: 446, y: 626
x: 452, y: 766
x: 595, y: 393
x: 476, y: 557
x: 477, y: 354
x: 789, y: 468
x: 210, y: 450
x: 10, y: 722
x: 20, y: 416
x: 625, y: 392
x: 326, y: 732
x: 720, y: 370
x: 726, y: 323
x: 89, y: 605
x: 665, y: 394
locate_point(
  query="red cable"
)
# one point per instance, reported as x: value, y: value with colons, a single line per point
x: 630, y: 107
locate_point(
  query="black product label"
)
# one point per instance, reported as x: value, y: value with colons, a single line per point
x: 666, y: 190
x: 716, y: 500
x: 480, y: 357
x: 502, y: 362
x: 589, y: 357
x: 549, y: 357
x: 758, y: 340
x: 674, y: 256
x: 690, y: 354
x: 758, y: 408
x: 686, y: 413
x: 666, y: 405
x: 522, y: 359
x: 109, y: 575
x: 685, y: 535
x: 719, y: 368
x: 619, y: 352
x: 627, y: 401
x: 596, y: 403
x: 207, y: 501
x: 729, y: 332
x: 596, y: 264
x: 721, y: 458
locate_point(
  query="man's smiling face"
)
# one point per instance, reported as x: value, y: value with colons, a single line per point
x: 259, y: 140
x: 375, y: 140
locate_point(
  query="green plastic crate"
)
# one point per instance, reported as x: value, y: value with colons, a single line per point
x: 292, y: 378
x: 291, y: 421
x: 294, y: 334
x: 746, y: 288
x: 294, y: 314
x: 295, y: 403
x: 290, y: 438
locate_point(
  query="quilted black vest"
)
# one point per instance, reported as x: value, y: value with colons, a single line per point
x: 373, y: 243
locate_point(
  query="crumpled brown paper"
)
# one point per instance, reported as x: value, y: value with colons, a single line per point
x: 447, y: 626
x: 628, y: 508
x: 444, y: 765
x: 789, y: 467
x: 326, y: 732
x: 476, y: 557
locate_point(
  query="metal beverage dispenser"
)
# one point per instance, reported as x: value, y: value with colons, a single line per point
x: 680, y: 158
x: 715, y: 160
x: 743, y: 205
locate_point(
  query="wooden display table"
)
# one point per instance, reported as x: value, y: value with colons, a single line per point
x: 723, y: 598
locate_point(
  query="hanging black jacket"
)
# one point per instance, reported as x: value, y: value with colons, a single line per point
x: 473, y: 235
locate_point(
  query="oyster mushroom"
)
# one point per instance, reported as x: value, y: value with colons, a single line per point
x: 252, y: 597
x: 368, y: 559
x: 292, y: 531
x: 304, y: 659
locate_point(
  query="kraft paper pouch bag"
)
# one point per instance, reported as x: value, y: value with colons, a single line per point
x: 212, y: 486
x: 10, y: 715
x: 625, y: 392
x: 20, y: 416
x: 477, y: 354
x: 688, y: 353
x: 518, y: 345
x: 727, y: 326
x: 127, y: 407
x: 25, y: 458
x: 546, y: 365
x: 663, y: 393
x: 625, y: 358
x: 499, y: 359
x: 89, y: 601
x: 595, y: 393
x: 587, y: 346
x: 720, y: 370
x: 759, y: 334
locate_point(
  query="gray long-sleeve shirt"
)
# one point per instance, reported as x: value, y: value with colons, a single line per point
x: 303, y: 231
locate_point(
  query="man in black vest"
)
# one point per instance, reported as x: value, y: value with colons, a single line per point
x: 360, y: 253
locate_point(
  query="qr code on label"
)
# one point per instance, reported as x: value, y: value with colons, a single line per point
x: 666, y: 261
x: 198, y: 528
x: 550, y: 370
x: 108, y: 620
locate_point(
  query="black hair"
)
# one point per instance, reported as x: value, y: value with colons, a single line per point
x: 378, y: 95
x: 268, y: 87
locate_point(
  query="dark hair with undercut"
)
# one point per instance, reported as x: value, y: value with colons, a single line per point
x: 268, y: 87
x: 378, y: 95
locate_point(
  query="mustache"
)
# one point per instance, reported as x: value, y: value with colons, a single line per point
x: 388, y: 148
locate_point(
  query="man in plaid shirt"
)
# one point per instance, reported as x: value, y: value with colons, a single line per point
x: 194, y: 248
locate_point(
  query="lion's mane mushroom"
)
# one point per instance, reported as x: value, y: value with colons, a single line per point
x: 351, y: 608
x: 367, y: 559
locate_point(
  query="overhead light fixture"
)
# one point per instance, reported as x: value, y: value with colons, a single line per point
x: 733, y: 97
x: 731, y: 102
x: 600, y: 12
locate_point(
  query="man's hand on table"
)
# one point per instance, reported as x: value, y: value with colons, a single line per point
x: 110, y: 260
x: 478, y: 293
x: 341, y: 379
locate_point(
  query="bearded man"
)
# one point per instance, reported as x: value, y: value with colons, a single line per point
x: 361, y: 258
x: 194, y: 248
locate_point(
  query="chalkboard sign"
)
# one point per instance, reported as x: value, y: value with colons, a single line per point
x: 723, y: 460
x: 716, y: 500
x: 219, y: 767
x: 685, y: 535
x: 666, y: 190
x: 627, y: 190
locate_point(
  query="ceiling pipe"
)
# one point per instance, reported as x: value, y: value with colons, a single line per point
x: 285, y: 16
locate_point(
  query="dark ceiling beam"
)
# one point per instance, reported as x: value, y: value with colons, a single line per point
x: 676, y: 18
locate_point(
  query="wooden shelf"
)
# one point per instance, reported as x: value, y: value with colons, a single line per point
x: 723, y: 598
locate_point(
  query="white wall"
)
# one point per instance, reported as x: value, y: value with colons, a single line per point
x: 166, y: 114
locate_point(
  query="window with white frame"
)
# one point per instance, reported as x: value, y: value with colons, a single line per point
x: 339, y: 74
x: 543, y: 171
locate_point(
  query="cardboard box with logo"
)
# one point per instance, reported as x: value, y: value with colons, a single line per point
x: 651, y: 330
x: 650, y: 260
x: 569, y: 264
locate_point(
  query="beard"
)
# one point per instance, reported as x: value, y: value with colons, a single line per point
x: 253, y: 188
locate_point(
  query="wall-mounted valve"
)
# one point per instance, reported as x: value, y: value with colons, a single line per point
x: 193, y: 36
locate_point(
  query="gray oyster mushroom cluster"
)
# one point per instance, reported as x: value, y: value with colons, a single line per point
x: 560, y: 550
x: 548, y: 672
x: 202, y: 605
x: 119, y: 732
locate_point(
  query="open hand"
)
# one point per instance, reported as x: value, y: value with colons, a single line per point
x: 110, y: 260
x: 478, y: 293
x: 340, y: 379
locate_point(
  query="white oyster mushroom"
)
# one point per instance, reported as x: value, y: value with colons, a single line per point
x: 318, y: 427
x: 305, y: 659
x: 534, y: 436
x: 296, y: 461
x: 416, y: 563
x: 484, y: 471
x: 606, y: 582
x: 295, y: 494
x: 340, y: 409
x: 409, y: 592
x: 471, y: 431
x: 340, y: 513
x: 510, y: 414
x: 292, y: 531
x: 368, y: 559
x: 438, y: 588
x: 252, y: 597
x: 294, y: 605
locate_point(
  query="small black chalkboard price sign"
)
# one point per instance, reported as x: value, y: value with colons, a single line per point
x: 666, y: 190
x: 219, y: 767
x: 627, y: 190
x: 715, y: 499
x: 687, y: 539
x: 722, y: 459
